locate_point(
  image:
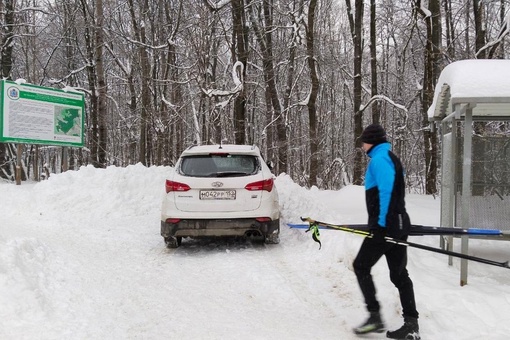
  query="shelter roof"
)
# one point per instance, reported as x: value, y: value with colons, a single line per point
x: 481, y: 84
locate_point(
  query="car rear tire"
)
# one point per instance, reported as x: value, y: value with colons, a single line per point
x: 173, y: 242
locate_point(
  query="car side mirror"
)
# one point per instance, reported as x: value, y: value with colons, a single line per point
x: 270, y: 165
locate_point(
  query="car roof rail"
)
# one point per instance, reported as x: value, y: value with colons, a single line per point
x: 192, y: 145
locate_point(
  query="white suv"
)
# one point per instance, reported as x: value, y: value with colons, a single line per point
x: 220, y: 190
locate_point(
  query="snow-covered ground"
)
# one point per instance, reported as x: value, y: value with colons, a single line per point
x: 81, y: 258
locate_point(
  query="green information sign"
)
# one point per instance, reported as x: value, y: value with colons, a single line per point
x: 41, y: 115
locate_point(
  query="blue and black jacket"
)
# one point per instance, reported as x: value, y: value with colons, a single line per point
x: 385, y: 192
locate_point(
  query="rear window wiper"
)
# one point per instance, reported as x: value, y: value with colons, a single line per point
x: 199, y: 175
x: 232, y: 174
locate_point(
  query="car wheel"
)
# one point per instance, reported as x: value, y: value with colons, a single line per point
x: 173, y: 242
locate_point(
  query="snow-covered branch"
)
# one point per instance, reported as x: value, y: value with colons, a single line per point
x: 238, y: 82
x: 505, y: 29
x: 218, y: 5
x: 381, y: 97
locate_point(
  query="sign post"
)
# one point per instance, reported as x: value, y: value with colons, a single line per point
x: 19, y: 151
x: 32, y: 114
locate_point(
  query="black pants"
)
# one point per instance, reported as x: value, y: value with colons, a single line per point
x: 396, y: 256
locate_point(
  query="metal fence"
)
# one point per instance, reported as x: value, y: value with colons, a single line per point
x: 490, y: 185
x: 489, y: 204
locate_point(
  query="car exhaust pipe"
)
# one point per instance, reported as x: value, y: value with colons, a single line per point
x: 253, y: 234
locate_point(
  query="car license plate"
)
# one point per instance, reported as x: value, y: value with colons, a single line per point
x: 217, y: 194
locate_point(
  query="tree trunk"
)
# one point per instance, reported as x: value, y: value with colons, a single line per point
x: 93, y: 134
x: 312, y: 107
x: 6, y: 157
x: 240, y: 49
x: 431, y: 73
x: 139, y: 32
x: 101, y: 88
x: 275, y: 100
x: 450, y: 29
x: 7, y: 38
x: 467, y: 22
x: 264, y: 36
x: 171, y: 73
x: 356, y: 25
x: 479, y: 12
x: 376, y: 106
x: 290, y: 75
x: 497, y: 50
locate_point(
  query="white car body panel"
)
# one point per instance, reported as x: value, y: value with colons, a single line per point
x: 209, y: 197
x: 245, y: 200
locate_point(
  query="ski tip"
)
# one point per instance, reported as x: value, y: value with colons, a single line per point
x: 301, y: 226
x: 475, y: 231
x: 298, y: 226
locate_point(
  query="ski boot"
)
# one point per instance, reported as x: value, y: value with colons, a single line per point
x: 373, y: 324
x: 408, y: 331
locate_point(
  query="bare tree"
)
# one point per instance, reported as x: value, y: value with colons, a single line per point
x: 450, y: 29
x: 7, y: 8
x: 169, y: 131
x: 314, y: 89
x: 376, y: 106
x: 431, y: 73
x: 139, y: 24
x: 96, y: 83
x: 264, y: 32
x: 356, y: 25
x: 101, y: 86
x: 240, y: 54
x: 296, y: 17
x: 479, y: 13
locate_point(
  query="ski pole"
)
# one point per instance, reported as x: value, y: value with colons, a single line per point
x: 314, y: 227
x: 448, y: 252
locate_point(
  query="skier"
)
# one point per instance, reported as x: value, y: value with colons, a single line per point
x: 384, y: 194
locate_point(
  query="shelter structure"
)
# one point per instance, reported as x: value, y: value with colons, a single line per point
x: 471, y: 107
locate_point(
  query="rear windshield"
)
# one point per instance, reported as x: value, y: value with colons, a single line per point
x: 225, y: 165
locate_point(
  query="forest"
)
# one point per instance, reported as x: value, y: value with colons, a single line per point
x: 298, y: 78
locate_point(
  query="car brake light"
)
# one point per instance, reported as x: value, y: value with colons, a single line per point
x: 263, y: 219
x: 175, y: 186
x: 266, y: 184
x: 173, y: 220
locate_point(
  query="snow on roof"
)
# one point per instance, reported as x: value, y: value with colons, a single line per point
x: 226, y: 148
x: 484, y: 83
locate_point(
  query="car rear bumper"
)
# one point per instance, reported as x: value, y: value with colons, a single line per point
x: 219, y: 227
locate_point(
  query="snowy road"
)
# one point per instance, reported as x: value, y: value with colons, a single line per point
x: 122, y: 281
x: 81, y: 258
x: 84, y: 269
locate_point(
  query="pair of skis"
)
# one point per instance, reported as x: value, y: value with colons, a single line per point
x: 416, y: 230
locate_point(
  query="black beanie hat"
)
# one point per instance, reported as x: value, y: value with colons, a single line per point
x: 374, y: 134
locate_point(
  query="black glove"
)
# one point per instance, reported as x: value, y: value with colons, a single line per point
x: 378, y: 233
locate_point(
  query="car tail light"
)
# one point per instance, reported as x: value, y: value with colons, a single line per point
x: 175, y: 186
x: 173, y: 220
x: 263, y: 219
x: 266, y: 184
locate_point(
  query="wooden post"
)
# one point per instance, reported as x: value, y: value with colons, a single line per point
x: 19, y: 150
x: 65, y: 159
x: 37, y: 174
